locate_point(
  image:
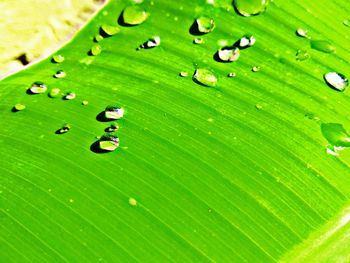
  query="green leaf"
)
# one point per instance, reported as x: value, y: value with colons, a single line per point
x: 238, y: 172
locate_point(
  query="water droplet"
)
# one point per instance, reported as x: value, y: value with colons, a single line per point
x: 335, y: 134
x: 256, y: 68
x: 245, y: 41
x: 250, y: 7
x: 302, y: 33
x: 114, y: 112
x: 18, y: 107
x: 150, y: 43
x: 228, y: 54
x: 205, y: 77
x: 302, y: 55
x: 84, y: 102
x: 54, y: 92
x: 258, y: 106
x: 198, y: 41
x: 231, y: 75
x: 312, y: 116
x: 113, y: 127
x: 37, y: 87
x: 183, y: 74
x: 110, y: 30
x: 336, y: 80
x: 108, y: 142
x: 204, y: 24
x: 70, y: 96
x: 134, y: 15
x: 322, y: 45
x: 95, y: 50
x: 64, y: 129
x: 132, y: 201
x: 346, y: 22
x: 58, y: 58
x: 60, y: 74
x: 98, y: 38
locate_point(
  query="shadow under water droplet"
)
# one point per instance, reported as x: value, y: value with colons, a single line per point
x: 194, y: 30
x: 121, y: 21
x: 96, y: 148
x: 29, y: 92
x: 101, y: 117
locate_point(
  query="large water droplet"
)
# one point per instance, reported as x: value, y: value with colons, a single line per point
x: 250, y: 7
x: 108, y: 142
x: 322, y: 45
x: 335, y: 134
x: 109, y: 30
x: 336, y: 80
x: 228, y: 54
x: 37, y: 87
x: 203, y: 25
x: 205, y: 77
x: 134, y: 15
x: 114, y: 112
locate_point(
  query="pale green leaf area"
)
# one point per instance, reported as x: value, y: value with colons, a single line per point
x: 236, y: 172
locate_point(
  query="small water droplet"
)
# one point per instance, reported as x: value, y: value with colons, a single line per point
x: 98, y: 38
x: 205, y: 77
x: 113, y: 127
x: 228, y: 54
x: 312, y: 116
x: 114, y: 112
x: 302, y: 33
x: 110, y: 30
x: 183, y: 74
x: 302, y: 55
x: 198, y: 41
x: 204, y: 25
x: 336, y: 80
x: 258, y: 106
x: 37, y: 87
x: 70, y: 96
x: 134, y: 15
x: 64, y: 129
x: 246, y: 41
x: 150, y: 43
x: 231, y: 75
x: 108, y: 142
x: 60, y: 74
x: 84, y: 102
x: 256, y: 68
x: 95, y: 50
x: 132, y: 201
x: 18, y: 107
x: 346, y: 22
x: 323, y: 46
x: 58, y: 58
x: 250, y: 7
x: 335, y: 134
x: 54, y: 93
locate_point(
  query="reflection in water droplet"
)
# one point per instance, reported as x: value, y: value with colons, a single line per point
x: 198, y: 41
x: 38, y: 87
x: 250, y: 7
x: 205, y: 77
x: 108, y: 142
x: 18, y: 107
x: 335, y: 134
x: 60, y: 74
x: 246, y: 41
x: 336, y: 80
x: 110, y: 30
x: 322, y: 45
x: 58, y: 58
x: 183, y: 74
x: 228, y: 54
x: 114, y: 112
x: 302, y: 33
x: 134, y: 15
x: 64, y: 129
x: 205, y: 24
x: 70, y: 96
x: 54, y: 92
x: 95, y: 50
x: 302, y: 55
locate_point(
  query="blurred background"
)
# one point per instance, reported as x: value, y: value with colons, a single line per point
x: 31, y: 29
